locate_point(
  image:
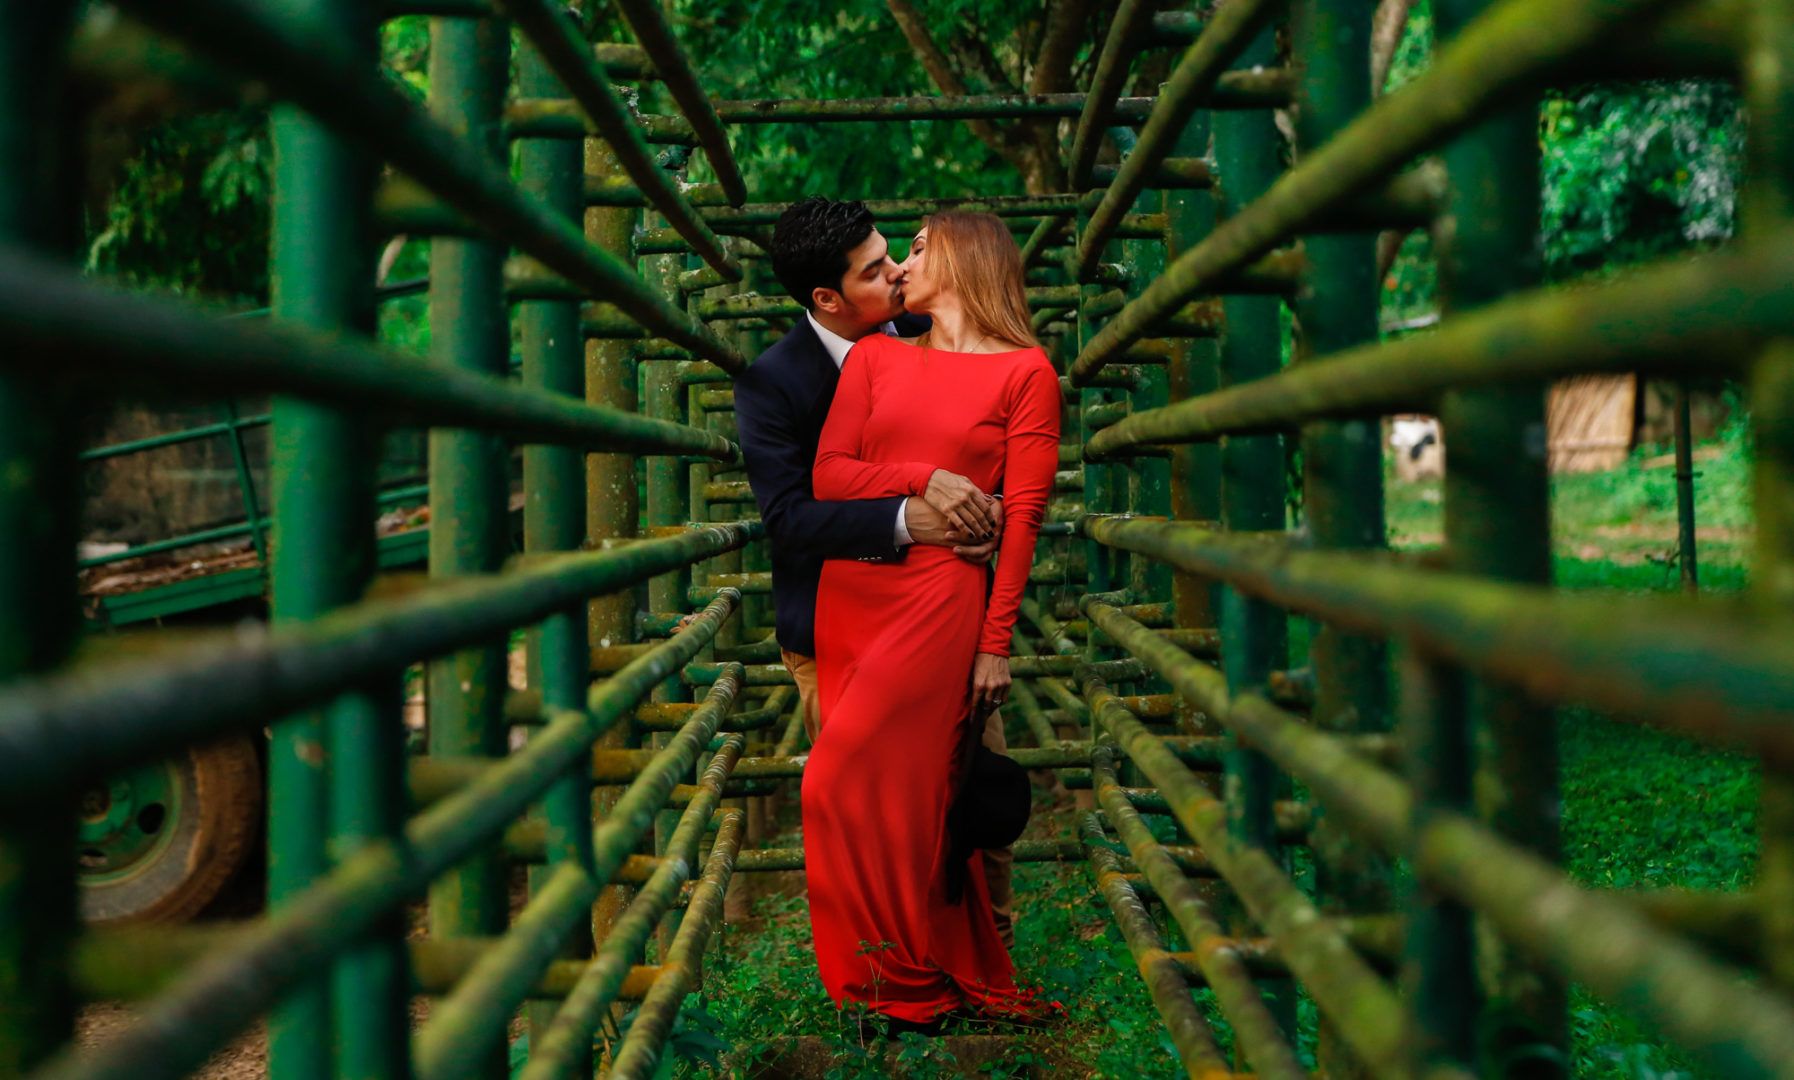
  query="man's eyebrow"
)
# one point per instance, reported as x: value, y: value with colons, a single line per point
x: 872, y: 264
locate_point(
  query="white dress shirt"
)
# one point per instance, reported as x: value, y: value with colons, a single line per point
x: 837, y: 347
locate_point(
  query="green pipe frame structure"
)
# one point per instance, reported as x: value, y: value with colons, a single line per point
x: 640, y: 763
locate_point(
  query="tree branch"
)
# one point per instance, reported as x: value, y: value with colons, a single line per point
x: 950, y: 82
x: 1385, y: 37
x: 1065, y: 29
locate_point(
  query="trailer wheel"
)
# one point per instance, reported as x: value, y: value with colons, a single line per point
x: 159, y: 842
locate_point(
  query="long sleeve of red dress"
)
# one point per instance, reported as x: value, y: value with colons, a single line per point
x: 1031, y: 458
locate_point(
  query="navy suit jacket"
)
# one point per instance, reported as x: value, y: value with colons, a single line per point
x: 781, y: 402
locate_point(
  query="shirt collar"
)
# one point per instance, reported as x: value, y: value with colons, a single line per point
x: 837, y: 345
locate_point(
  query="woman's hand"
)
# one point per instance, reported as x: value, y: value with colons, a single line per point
x: 990, y: 681
x: 961, y: 503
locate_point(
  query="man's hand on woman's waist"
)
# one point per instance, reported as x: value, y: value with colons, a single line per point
x: 929, y: 526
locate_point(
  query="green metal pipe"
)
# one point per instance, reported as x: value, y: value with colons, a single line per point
x: 1223, y: 970
x: 556, y: 35
x: 656, y: 38
x: 1127, y: 32
x: 1729, y: 676
x: 466, y: 1027
x: 1473, y: 75
x: 220, y: 996
x: 1361, y: 1005
x: 1342, y: 461
x: 333, y: 774
x: 554, y: 520
x: 566, y: 118
x: 1188, y: 1031
x: 1768, y: 202
x: 646, y: 1041
x: 408, y: 493
x: 1713, y: 309
x: 38, y: 516
x: 108, y: 337
x: 469, y: 67
x: 1686, y: 541
x: 1494, y: 747
x: 362, y: 106
x: 1235, y: 90
x: 86, y: 723
x: 173, y: 438
x: 568, y: 1042
x: 1224, y: 39
x: 1592, y: 937
x: 727, y: 218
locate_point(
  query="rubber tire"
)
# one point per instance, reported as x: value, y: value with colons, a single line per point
x: 223, y: 781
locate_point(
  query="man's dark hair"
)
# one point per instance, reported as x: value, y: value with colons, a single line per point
x: 810, y: 243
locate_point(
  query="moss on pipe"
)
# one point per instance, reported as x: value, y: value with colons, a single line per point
x: 1516, y: 44
x: 1679, y: 316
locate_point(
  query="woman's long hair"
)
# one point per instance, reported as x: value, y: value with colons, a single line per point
x: 974, y: 256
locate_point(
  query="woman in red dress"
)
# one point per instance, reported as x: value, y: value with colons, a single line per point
x: 907, y: 650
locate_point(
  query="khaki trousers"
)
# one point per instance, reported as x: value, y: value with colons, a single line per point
x: 997, y: 861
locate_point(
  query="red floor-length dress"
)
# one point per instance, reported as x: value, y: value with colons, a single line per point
x: 894, y: 648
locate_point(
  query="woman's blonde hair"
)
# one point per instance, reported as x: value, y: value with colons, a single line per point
x: 974, y: 256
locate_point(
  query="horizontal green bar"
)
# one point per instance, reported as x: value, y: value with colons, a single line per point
x: 223, y: 994
x: 90, y: 721
x: 1680, y: 316
x: 726, y: 218
x: 173, y: 438
x: 1236, y: 90
x: 1704, y: 667
x: 227, y: 532
x: 111, y: 336
x: 319, y: 73
x: 1475, y: 72
x: 1591, y: 937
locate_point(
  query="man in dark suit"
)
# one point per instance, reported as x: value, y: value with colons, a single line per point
x: 833, y: 261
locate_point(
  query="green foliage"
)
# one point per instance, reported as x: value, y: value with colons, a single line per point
x: 189, y: 209
x: 821, y: 49
x: 1634, y: 171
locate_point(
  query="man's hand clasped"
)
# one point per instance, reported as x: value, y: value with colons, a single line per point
x: 927, y: 525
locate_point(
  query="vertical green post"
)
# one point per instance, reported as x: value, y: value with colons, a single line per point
x: 336, y: 776
x: 1497, y: 525
x: 1194, y: 370
x: 1769, y: 203
x: 1256, y: 636
x: 1148, y: 478
x: 1247, y: 162
x: 1685, y: 536
x: 469, y: 471
x: 612, y: 505
x: 38, y: 517
x: 1342, y: 462
x: 554, y: 516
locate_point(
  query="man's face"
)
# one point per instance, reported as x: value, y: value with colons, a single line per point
x: 871, y: 291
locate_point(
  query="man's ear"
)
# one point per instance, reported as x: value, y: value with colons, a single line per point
x: 826, y: 300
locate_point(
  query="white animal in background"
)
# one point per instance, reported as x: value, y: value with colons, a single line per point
x: 1419, y: 448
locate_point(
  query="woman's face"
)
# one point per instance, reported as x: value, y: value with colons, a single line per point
x: 921, y: 288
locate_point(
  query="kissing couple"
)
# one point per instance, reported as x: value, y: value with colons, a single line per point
x: 876, y: 435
